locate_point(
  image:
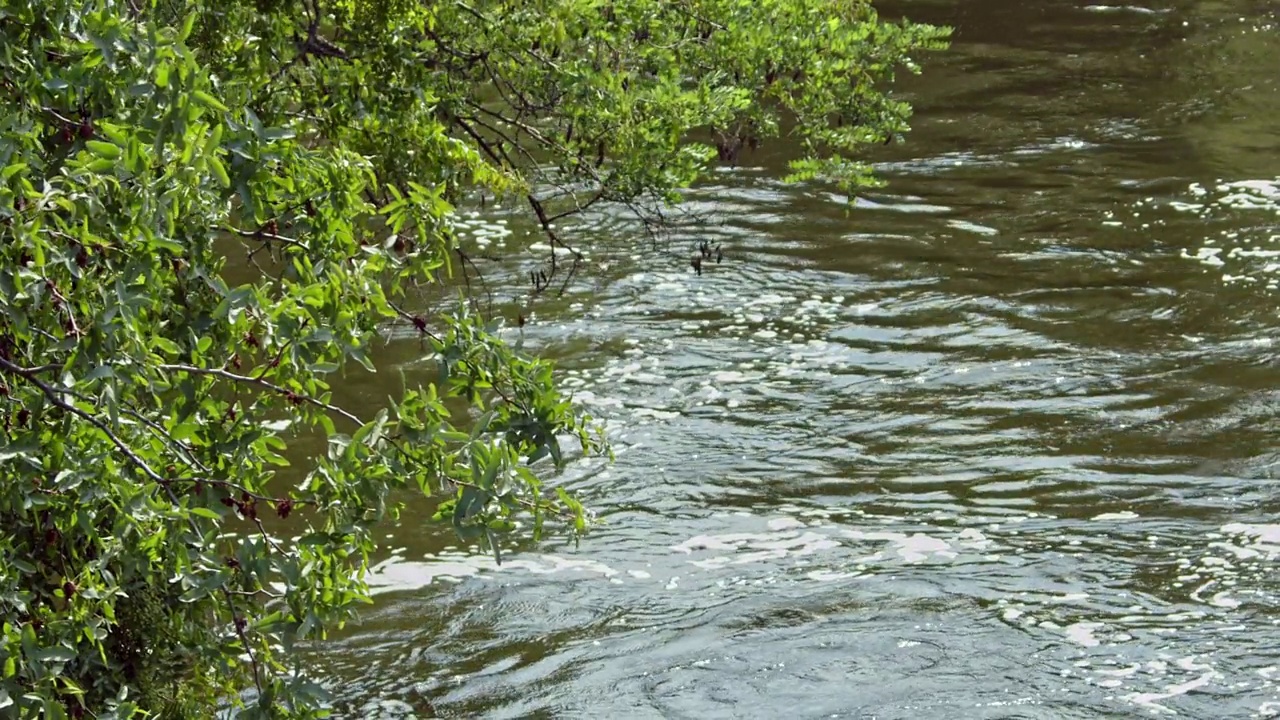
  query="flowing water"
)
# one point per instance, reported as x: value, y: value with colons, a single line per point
x: 999, y: 442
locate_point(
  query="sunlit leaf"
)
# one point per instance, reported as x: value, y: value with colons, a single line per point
x: 103, y: 149
x: 208, y: 100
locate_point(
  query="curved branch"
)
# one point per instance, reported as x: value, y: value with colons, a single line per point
x: 265, y: 385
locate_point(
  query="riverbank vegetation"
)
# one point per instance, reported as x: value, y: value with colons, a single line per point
x: 150, y: 398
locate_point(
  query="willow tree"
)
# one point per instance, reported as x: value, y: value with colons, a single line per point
x: 148, y: 396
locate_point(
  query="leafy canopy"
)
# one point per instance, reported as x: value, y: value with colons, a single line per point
x: 150, y: 391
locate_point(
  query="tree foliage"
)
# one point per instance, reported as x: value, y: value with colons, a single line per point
x: 150, y: 395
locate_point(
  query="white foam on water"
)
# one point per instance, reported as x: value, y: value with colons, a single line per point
x: 914, y: 548
x: 1206, y: 255
x: 1137, y: 9
x: 973, y: 227
x: 387, y: 709
x: 455, y: 566
x: 1268, y: 710
x: 1151, y: 700
x: 734, y: 376
x: 1081, y: 633
x: 1261, y: 539
x: 1121, y: 516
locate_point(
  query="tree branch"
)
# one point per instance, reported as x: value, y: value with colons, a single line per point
x: 265, y: 236
x: 265, y: 385
x: 54, y: 395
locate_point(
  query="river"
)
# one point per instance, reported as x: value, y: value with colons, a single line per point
x: 997, y: 442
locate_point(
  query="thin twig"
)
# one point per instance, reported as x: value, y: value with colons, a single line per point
x: 466, y: 260
x: 264, y: 235
x: 264, y: 384
x: 28, y: 371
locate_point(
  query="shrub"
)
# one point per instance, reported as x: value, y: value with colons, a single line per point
x: 147, y: 398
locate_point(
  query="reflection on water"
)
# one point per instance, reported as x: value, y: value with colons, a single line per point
x: 996, y: 443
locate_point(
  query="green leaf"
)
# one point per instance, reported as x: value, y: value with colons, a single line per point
x: 482, y: 423
x: 470, y: 502
x: 326, y: 423
x: 490, y: 474
x: 103, y: 149
x: 166, y: 345
x: 208, y: 100
x: 268, y: 621
x: 56, y: 653
x: 100, y: 372
x: 11, y: 170
x: 187, y: 24
x: 360, y: 356
x: 113, y: 132
x: 493, y: 545
x: 101, y: 165
x: 205, y: 513
x: 163, y: 243
x: 219, y: 170
x: 371, y: 432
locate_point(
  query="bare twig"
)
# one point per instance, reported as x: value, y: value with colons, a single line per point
x: 415, y: 320
x: 264, y: 235
x: 28, y: 371
x: 578, y: 207
x: 264, y: 384
x: 466, y: 260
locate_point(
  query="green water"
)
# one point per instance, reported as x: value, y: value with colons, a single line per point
x: 999, y: 443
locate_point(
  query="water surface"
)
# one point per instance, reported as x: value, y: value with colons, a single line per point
x: 999, y: 442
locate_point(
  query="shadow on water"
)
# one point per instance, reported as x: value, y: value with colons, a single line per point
x: 996, y: 443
